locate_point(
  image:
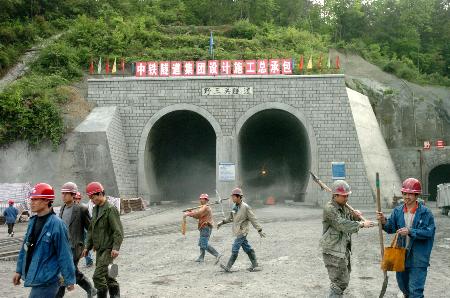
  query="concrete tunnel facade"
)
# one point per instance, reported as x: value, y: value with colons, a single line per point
x: 183, y: 149
x: 176, y: 135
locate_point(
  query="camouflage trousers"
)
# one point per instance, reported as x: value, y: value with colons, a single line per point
x: 339, y: 273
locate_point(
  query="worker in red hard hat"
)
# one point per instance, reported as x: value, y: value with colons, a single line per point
x: 105, y: 236
x: 205, y: 225
x: 45, y: 253
x: 77, y: 219
x: 415, y: 225
x: 339, y: 223
x: 10, y: 215
x: 241, y: 215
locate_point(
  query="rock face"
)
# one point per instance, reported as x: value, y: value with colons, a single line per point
x: 408, y: 114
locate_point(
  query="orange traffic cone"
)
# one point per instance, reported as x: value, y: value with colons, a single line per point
x: 270, y: 201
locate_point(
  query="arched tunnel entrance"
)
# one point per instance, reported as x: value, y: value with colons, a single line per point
x: 275, y: 156
x: 182, y: 151
x: 438, y: 175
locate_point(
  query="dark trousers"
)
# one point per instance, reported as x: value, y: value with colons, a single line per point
x: 412, y: 281
x: 78, y: 275
x: 101, y: 278
x: 10, y: 228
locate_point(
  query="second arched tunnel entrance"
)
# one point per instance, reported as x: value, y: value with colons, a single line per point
x: 275, y: 156
x: 182, y: 157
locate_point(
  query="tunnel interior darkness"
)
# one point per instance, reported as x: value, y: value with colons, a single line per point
x: 182, y: 148
x: 438, y: 175
x: 274, y: 156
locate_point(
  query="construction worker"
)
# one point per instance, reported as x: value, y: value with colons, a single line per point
x: 105, y: 236
x: 88, y: 259
x: 45, y: 253
x: 415, y: 225
x: 205, y: 225
x: 241, y: 215
x: 77, y: 219
x: 10, y: 215
x: 338, y: 225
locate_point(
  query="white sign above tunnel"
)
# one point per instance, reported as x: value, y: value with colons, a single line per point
x: 227, y: 91
x: 227, y: 171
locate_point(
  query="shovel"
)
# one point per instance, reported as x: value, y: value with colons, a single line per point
x: 380, y: 233
x: 113, y: 270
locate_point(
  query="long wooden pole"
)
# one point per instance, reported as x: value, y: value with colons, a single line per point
x: 380, y: 234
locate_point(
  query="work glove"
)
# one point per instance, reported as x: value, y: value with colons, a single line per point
x: 262, y: 234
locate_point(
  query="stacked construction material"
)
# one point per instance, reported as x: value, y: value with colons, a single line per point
x: 132, y: 204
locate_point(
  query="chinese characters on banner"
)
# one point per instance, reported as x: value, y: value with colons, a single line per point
x: 440, y: 144
x: 213, y: 68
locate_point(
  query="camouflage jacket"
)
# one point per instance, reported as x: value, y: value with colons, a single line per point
x: 338, y: 225
x: 105, y: 231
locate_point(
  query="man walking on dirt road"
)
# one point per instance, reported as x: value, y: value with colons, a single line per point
x: 10, y: 215
x: 45, y: 253
x: 105, y: 236
x: 77, y: 220
x: 338, y: 225
x: 415, y: 223
x: 241, y: 215
x: 205, y: 225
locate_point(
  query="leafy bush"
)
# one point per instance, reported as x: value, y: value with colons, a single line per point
x: 60, y: 59
x: 29, y: 111
x: 243, y: 29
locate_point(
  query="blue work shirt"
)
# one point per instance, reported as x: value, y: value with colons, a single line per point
x: 52, y: 255
x: 421, y: 234
x: 10, y: 214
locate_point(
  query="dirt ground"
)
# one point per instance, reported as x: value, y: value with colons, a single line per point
x: 162, y: 264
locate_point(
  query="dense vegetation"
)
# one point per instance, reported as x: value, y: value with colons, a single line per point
x: 407, y: 38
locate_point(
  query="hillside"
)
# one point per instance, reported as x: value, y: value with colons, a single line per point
x: 413, y: 45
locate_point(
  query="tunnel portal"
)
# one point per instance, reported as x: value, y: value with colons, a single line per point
x: 275, y: 156
x: 440, y: 174
x: 182, y: 147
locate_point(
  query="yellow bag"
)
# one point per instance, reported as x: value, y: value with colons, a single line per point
x: 394, y: 257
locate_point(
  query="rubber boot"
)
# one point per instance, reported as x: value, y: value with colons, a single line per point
x: 114, y: 291
x: 102, y: 293
x: 61, y: 292
x: 214, y: 252
x: 231, y: 261
x: 87, y: 286
x: 252, y: 256
x: 201, y: 258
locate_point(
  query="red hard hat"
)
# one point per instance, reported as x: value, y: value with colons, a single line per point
x: 69, y: 187
x: 204, y: 196
x: 11, y: 202
x: 42, y: 191
x: 78, y: 196
x: 340, y: 187
x: 237, y: 191
x: 412, y: 185
x: 93, y: 188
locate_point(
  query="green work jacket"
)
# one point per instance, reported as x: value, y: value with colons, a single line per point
x: 105, y: 231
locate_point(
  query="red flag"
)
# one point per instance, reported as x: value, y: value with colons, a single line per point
x: 107, y: 66
x: 91, y: 67
x: 122, y: 65
x: 300, y: 65
x: 338, y: 64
